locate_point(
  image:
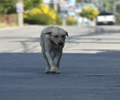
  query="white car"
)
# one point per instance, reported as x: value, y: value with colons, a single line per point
x: 106, y: 18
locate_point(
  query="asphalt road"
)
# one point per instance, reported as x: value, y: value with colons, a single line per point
x: 90, y: 65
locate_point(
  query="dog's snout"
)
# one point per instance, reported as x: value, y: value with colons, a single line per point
x: 60, y: 43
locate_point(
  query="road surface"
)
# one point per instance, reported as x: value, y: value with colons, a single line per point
x: 90, y: 65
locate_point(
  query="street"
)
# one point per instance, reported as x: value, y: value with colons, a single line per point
x: 90, y: 65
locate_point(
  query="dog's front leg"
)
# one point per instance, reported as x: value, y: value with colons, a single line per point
x: 47, y: 63
x: 59, y: 54
x: 53, y: 67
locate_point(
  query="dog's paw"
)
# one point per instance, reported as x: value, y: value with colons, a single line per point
x: 47, y: 70
x: 54, y: 70
x: 57, y: 71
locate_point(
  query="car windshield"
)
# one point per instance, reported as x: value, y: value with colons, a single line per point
x: 105, y: 13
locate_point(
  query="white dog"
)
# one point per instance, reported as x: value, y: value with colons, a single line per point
x: 52, y: 41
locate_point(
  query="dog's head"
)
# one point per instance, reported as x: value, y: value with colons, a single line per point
x: 58, y: 36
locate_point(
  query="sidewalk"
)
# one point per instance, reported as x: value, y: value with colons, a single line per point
x: 80, y: 40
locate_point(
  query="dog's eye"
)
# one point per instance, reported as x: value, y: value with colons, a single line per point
x: 56, y: 36
x: 63, y: 36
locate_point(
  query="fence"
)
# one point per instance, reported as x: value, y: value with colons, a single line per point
x: 9, y: 19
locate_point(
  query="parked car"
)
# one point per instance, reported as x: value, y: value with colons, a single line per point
x: 105, y: 18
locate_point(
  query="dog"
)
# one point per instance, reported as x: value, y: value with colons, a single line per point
x: 52, y: 41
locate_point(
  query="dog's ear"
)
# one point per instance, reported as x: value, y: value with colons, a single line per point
x: 49, y: 33
x: 66, y: 33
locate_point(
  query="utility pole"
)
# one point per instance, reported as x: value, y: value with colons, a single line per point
x: 19, y: 9
x: 107, y: 6
x: 82, y: 2
x: 91, y: 1
x: 101, y: 6
x: 114, y: 6
x: 55, y: 6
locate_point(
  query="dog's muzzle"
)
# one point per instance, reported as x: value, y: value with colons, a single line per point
x: 60, y: 43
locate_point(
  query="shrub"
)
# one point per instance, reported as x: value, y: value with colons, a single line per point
x: 58, y: 20
x: 41, y: 14
x: 71, y: 21
x: 89, y: 13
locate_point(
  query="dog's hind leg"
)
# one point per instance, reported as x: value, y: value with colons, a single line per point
x: 47, y: 63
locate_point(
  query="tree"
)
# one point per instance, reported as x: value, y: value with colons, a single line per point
x: 7, y: 6
x: 29, y: 4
